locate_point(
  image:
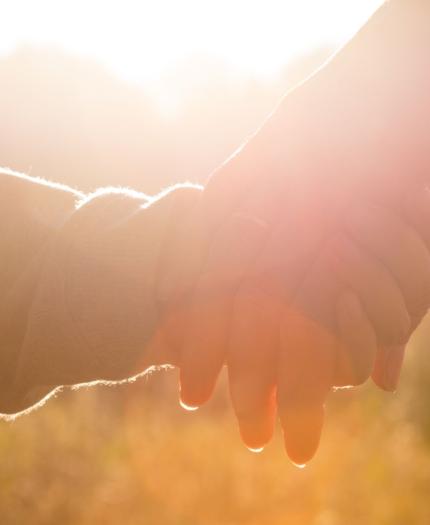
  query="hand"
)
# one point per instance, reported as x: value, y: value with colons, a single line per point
x: 320, y: 348
x: 303, y: 149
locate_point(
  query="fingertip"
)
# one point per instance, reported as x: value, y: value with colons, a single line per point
x: 387, y: 369
x: 203, y: 351
x: 255, y: 450
x: 357, y: 347
x: 252, y: 368
x: 393, y: 367
x: 302, y: 433
x: 195, y: 391
x: 256, y: 435
x: 193, y: 399
x: 186, y: 407
x: 300, y: 457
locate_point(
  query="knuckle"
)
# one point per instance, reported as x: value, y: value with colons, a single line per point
x: 419, y: 298
x: 392, y: 325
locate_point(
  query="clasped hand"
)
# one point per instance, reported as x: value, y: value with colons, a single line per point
x: 299, y: 308
x: 304, y: 264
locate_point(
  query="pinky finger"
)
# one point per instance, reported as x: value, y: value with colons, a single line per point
x: 357, y: 342
x: 388, y: 365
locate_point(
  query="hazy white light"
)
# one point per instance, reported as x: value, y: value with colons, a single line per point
x: 141, y: 38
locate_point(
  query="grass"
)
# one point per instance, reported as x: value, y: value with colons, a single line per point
x: 130, y: 455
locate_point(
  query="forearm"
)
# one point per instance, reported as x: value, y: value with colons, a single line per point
x: 357, y: 126
x: 83, y: 306
x: 32, y: 212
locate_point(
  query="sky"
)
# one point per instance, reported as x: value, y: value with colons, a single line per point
x: 139, y: 40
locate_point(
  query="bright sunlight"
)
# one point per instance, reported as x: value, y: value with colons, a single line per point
x: 283, y: 268
x: 141, y: 39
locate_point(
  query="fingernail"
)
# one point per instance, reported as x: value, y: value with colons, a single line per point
x: 393, y: 367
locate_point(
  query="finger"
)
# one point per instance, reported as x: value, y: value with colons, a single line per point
x: 416, y: 209
x: 306, y: 361
x: 305, y: 374
x: 388, y: 365
x: 380, y: 295
x: 255, y: 328
x: 344, y: 318
x: 404, y: 252
x: 357, y: 342
x: 204, y: 349
x: 253, y: 345
x: 205, y: 344
x: 400, y: 248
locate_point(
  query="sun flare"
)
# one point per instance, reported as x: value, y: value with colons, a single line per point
x: 142, y: 39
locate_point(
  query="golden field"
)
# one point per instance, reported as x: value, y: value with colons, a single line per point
x: 129, y: 455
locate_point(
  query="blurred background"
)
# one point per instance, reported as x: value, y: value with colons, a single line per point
x: 143, y: 94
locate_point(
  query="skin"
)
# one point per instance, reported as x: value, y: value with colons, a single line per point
x: 290, y: 272
x: 290, y: 176
x: 290, y: 350
x: 236, y: 261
